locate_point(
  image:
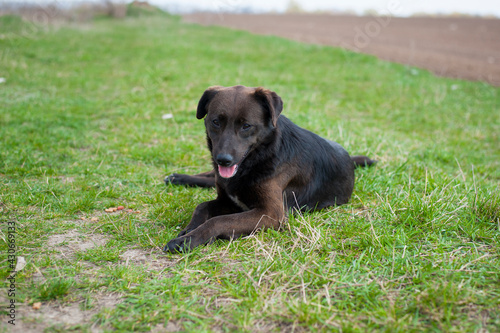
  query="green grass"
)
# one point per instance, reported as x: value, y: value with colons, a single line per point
x: 416, y: 249
x: 53, y: 289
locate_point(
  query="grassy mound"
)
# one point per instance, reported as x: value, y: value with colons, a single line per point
x: 83, y: 130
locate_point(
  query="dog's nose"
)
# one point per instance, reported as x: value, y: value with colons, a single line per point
x: 224, y: 160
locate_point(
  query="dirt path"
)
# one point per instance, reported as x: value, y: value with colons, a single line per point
x: 467, y: 48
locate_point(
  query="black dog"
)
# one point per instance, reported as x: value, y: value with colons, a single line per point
x: 263, y: 165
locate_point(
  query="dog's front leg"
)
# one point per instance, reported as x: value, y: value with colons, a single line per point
x: 207, y: 210
x: 201, y: 214
x: 206, y: 179
x: 226, y: 227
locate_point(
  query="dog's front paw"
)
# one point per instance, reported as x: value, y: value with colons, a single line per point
x: 179, y: 244
x: 176, y: 179
x: 184, y: 231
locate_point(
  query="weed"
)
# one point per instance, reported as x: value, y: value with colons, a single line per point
x: 54, y: 288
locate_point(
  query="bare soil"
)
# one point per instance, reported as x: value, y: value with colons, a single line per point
x: 457, y: 47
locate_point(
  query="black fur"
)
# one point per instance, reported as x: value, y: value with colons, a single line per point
x: 263, y: 164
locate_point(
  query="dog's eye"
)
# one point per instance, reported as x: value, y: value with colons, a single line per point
x: 216, y: 122
x: 246, y: 127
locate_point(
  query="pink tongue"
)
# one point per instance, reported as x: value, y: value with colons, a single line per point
x: 227, y: 172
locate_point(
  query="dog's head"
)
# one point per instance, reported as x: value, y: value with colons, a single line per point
x: 237, y: 120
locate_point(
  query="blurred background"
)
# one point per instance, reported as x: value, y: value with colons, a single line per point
x: 457, y: 39
x: 357, y: 7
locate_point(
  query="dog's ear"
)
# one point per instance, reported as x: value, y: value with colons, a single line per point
x: 205, y: 99
x: 271, y: 102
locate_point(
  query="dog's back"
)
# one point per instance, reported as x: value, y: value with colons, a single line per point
x: 323, y: 172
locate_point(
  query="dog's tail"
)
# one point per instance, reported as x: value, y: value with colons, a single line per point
x: 362, y: 161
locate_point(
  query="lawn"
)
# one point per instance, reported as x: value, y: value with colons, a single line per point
x: 83, y: 129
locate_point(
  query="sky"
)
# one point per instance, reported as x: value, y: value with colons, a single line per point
x: 395, y: 7
x: 392, y: 7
